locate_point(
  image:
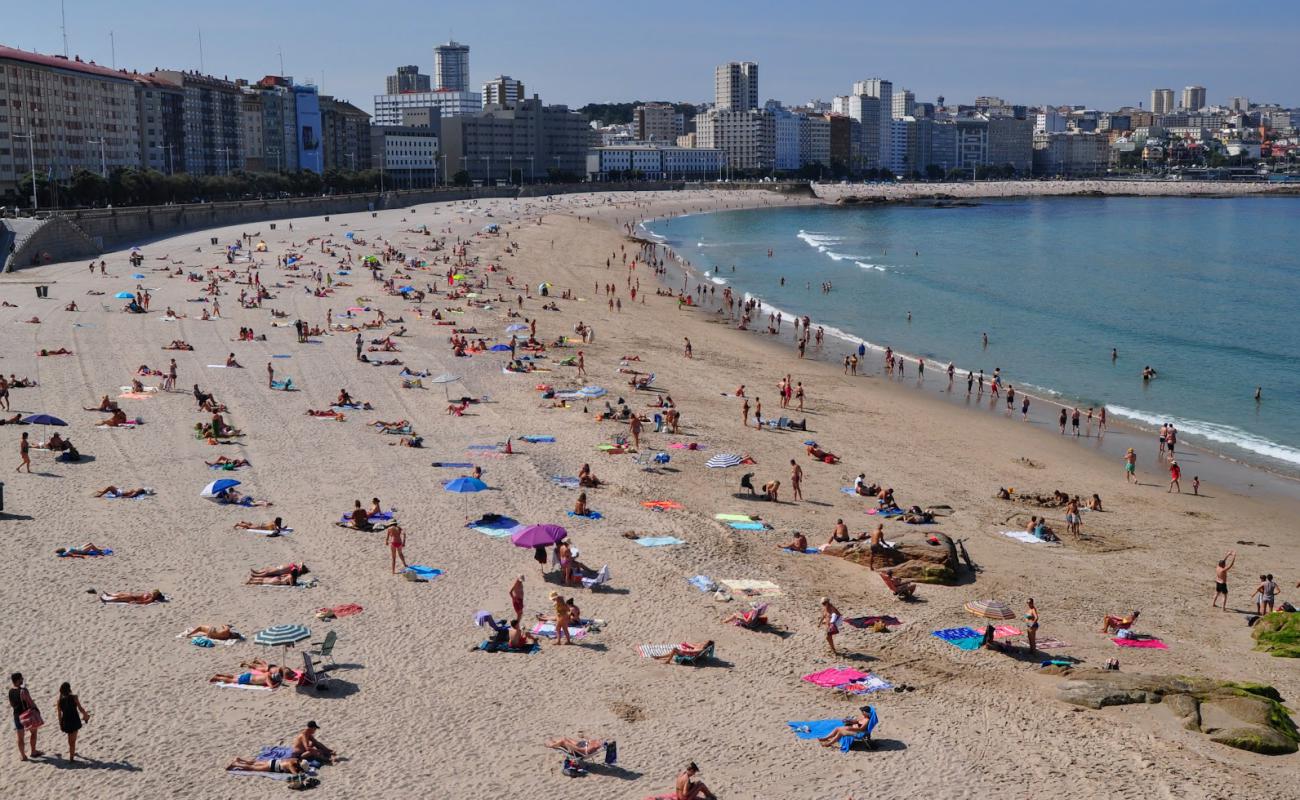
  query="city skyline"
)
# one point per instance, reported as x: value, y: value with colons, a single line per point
x: 974, y: 52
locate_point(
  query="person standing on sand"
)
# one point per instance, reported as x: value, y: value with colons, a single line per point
x: 71, y: 715
x: 25, y: 452
x: 517, y: 597
x: 796, y: 480
x: 744, y: 412
x: 1024, y: 409
x: 1074, y: 421
x: 1101, y: 422
x: 395, y: 538
x: 686, y: 349
x: 634, y: 428
x: 830, y: 622
x: 1031, y: 624
x: 1130, y: 466
x: 20, y: 700
x: 1175, y: 472
x: 270, y: 376
x: 1060, y: 421
x: 798, y: 394
x: 169, y: 383
x: 1226, y: 564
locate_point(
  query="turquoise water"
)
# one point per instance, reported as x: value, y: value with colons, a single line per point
x: 1203, y: 290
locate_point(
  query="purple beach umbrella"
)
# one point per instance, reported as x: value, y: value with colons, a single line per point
x: 538, y: 535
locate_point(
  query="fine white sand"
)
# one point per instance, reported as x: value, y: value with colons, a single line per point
x: 413, y: 710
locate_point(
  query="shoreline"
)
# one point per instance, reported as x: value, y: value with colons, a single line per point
x: 1243, y: 474
x: 866, y: 193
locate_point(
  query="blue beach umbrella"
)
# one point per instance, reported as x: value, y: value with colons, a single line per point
x: 139, y: 276
x: 125, y: 295
x: 499, y: 348
x: 217, y: 487
x: 43, y: 419
x: 406, y: 289
x: 464, y: 485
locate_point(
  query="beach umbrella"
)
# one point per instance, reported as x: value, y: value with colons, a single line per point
x: 723, y: 460
x: 459, y: 276
x: 510, y: 328
x: 592, y: 391
x: 499, y: 348
x: 218, y: 486
x: 44, y: 420
x: 445, y: 378
x: 125, y: 295
x: 349, y: 234
x: 538, y: 535
x: 406, y: 289
x: 990, y: 609
x: 282, y: 635
x: 139, y: 276
x: 464, y: 485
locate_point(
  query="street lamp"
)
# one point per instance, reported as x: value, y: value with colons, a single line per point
x: 532, y: 175
x: 444, y: 170
x: 31, y: 153
x: 103, y: 162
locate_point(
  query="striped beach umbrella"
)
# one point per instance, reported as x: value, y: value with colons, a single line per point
x: 723, y: 460
x: 282, y: 635
x: 990, y: 609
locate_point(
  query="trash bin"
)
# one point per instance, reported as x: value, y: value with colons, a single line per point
x: 327, y: 219
x: 213, y: 240
x: 272, y: 226
x: 373, y: 214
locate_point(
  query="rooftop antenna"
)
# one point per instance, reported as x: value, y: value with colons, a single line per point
x: 112, y: 45
x: 63, y: 12
x: 281, y: 51
x: 201, y: 67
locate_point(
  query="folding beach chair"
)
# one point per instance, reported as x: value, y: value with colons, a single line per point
x: 309, y: 675
x: 325, y: 649
x: 755, y: 617
x: 694, y: 660
x: 609, y: 748
x: 599, y: 579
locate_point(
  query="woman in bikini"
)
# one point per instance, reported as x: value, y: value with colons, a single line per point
x: 220, y: 633
x: 156, y: 596
x: 283, y: 575
x: 1031, y: 622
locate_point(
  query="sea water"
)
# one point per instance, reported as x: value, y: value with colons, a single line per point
x: 1205, y: 291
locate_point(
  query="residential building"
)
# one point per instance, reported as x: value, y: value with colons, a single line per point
x: 1193, y: 98
x: 408, y: 156
x: 291, y: 129
x: 253, y: 133
x: 1049, y: 120
x: 311, y: 155
x: 735, y: 86
x: 345, y: 135
x: 451, y: 67
x: 866, y: 110
x: 388, y: 107
x: 656, y: 162
x: 883, y: 90
x: 1011, y: 141
x: 972, y: 141
x: 408, y: 79
x: 747, y: 137
x: 814, y: 140
x: 843, y: 135
x: 904, y: 104
x: 502, y: 90
x: 899, y: 163
x: 1115, y: 122
x: 79, y: 116
x: 211, y: 114
x: 423, y: 117
x: 528, y: 139
x: 1072, y: 153
x: 1241, y: 105
x: 162, y: 124
x: 656, y: 122
x: 1162, y: 101
x: 785, y: 140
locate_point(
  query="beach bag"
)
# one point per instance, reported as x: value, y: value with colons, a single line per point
x: 31, y: 718
x: 1124, y: 633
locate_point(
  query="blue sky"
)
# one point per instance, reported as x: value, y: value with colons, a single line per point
x: 1099, y: 54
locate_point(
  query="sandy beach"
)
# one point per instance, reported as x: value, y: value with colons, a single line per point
x: 411, y: 705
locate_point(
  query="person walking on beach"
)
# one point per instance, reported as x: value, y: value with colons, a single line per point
x: 270, y: 376
x: 582, y: 364
x: 169, y: 383
x: 517, y: 597
x: 26, y: 716
x: 1074, y: 421
x: 744, y: 412
x: 1031, y: 624
x: 71, y: 716
x: 830, y: 622
x: 1101, y: 422
x: 686, y: 348
x: 1175, y: 472
x: 359, y: 343
x: 1130, y: 466
x: 1024, y: 409
x: 25, y: 452
x: 1226, y: 564
x: 1060, y: 421
x: 758, y: 413
x: 395, y: 538
x: 796, y: 480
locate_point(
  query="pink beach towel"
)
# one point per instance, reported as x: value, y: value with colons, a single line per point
x: 1004, y: 632
x: 836, y: 676
x: 1150, y: 644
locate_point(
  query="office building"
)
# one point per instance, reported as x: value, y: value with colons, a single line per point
x: 866, y: 111
x: 79, y: 116
x: 408, y: 79
x: 212, y: 114
x: 502, y: 90
x: 409, y: 157
x: 1011, y: 143
x: 656, y: 123
x: 451, y: 67
x: 814, y: 140
x: 1240, y: 105
x: 1050, y: 120
x: 904, y: 104
x: 1071, y: 153
x: 883, y: 90
x: 388, y: 107
x: 345, y: 135
x: 655, y: 162
x: 1193, y: 98
x: 1162, y: 101
x: 735, y: 86
x: 747, y: 137
x: 523, y: 141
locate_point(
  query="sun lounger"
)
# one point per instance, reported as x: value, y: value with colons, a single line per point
x: 609, y: 748
x: 600, y: 579
x: 755, y: 617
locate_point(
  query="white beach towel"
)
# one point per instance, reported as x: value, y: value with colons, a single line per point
x: 242, y: 686
x: 1022, y: 536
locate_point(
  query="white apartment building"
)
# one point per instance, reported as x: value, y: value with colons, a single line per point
x: 745, y: 136
x: 1049, y: 120
x: 1193, y: 98
x: 904, y: 104
x: 884, y: 91
x: 502, y: 90
x: 388, y: 107
x: 1162, y: 101
x: 656, y: 162
x: 786, y: 140
x: 735, y: 86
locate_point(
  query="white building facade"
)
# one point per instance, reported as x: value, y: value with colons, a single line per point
x: 654, y: 162
x: 388, y: 107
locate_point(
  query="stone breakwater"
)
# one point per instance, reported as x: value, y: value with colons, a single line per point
x: 977, y: 190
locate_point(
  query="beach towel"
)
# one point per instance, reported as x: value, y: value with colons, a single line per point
x: 127, y: 424
x: 733, y: 517
x: 498, y: 527
x: 703, y: 582
x: 869, y: 684
x: 482, y: 446
x: 423, y: 572
x: 848, y: 490
x: 892, y: 512
x: 818, y: 728
x: 565, y: 481
x: 654, y: 650
x: 274, y: 751
x: 588, y: 515
x: 811, y: 551
x: 962, y: 638
x: 102, y: 552
x: 1005, y: 631
x: 347, y: 610
x: 374, y: 519
x: 662, y: 505
x: 134, y: 396
x: 749, y: 526
x: 687, y: 446
x: 658, y: 541
x: 532, y: 439
x: 835, y: 676
x: 248, y: 686
x: 267, y: 531
x: 453, y: 464
x: 493, y: 647
x: 1151, y: 643
x: 216, y: 366
x: 751, y: 588
x: 548, y: 630
x: 224, y: 467
x: 281, y: 355
x: 870, y: 621
x: 1051, y: 644
x: 165, y: 599
x: 1023, y: 536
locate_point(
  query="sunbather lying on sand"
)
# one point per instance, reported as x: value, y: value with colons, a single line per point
x: 1113, y: 624
x: 62, y: 351
x: 821, y: 455
x: 338, y: 415
x: 228, y: 462
x: 276, y: 525
x: 688, y: 649
x: 179, y: 344
x: 409, y: 441
x: 113, y: 491
x: 577, y: 747
x: 232, y: 497
x: 16, y: 419
x: 291, y: 766
x: 457, y: 409
x: 260, y: 673
x: 386, y: 426
x: 220, y: 633
x: 747, y: 617
x: 104, y: 405
x: 156, y: 596
x: 283, y: 575
x: 87, y: 550
x: 117, y: 420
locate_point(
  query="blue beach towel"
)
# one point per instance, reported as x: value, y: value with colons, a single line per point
x: 102, y: 552
x: 453, y: 464
x: 494, y: 647
x: 658, y: 541
x: 483, y: 447
x: 275, y: 751
x: 703, y: 582
x: 421, y: 571
x: 538, y: 439
x: 817, y: 728
x: 566, y: 481
x: 748, y: 526
x: 588, y: 515
x: 811, y: 551
x: 281, y: 355
x: 963, y: 638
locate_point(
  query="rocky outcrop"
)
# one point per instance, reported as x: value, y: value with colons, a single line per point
x: 921, y: 562
x: 1278, y: 633
x: 1245, y: 716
